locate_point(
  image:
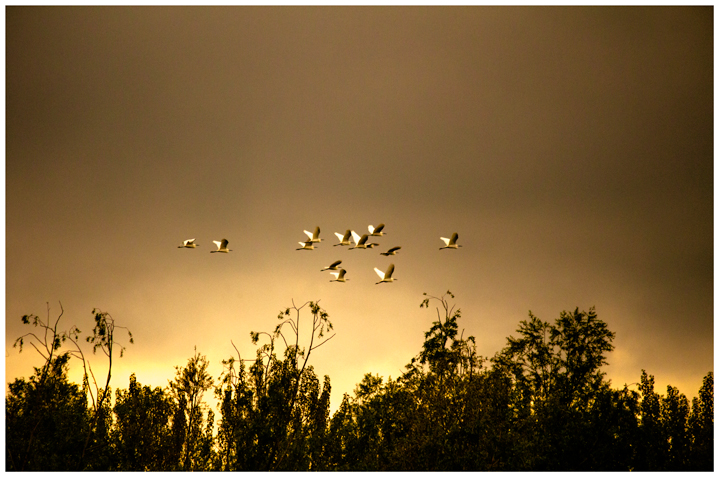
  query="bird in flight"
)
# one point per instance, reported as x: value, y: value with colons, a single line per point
x: 392, y: 251
x: 221, y: 246
x: 340, y: 276
x: 386, y: 277
x: 314, y: 237
x: 332, y: 266
x: 360, y: 242
x: 188, y: 244
x: 450, y: 242
x: 344, y: 239
x: 306, y: 245
x: 376, y: 232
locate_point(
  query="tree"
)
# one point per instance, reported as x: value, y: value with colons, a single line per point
x: 701, y: 427
x: 274, y: 413
x: 188, y: 388
x: 652, y: 447
x: 46, y: 420
x: 48, y: 344
x: 142, y: 434
x: 556, y: 376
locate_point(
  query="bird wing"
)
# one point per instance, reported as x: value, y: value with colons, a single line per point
x: 347, y: 235
x: 379, y: 228
x: 379, y: 272
x: 339, y: 236
x: 224, y: 243
x: 454, y: 238
x: 446, y: 240
x: 393, y: 249
x: 336, y: 274
x: 219, y: 244
x: 309, y: 234
x: 390, y: 270
x: 370, y: 228
x: 356, y: 237
x: 316, y: 234
x: 334, y: 264
x: 363, y: 239
x: 341, y: 273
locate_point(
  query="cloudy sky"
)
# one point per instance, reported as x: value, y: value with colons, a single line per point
x: 570, y: 148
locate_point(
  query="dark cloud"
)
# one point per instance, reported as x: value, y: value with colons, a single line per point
x: 571, y: 148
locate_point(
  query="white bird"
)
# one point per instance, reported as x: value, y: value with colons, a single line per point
x: 386, y: 277
x: 340, y: 276
x: 344, y: 239
x: 392, y: 251
x: 376, y: 232
x: 221, y: 246
x: 314, y: 237
x: 306, y: 245
x: 360, y: 242
x: 188, y: 244
x: 450, y: 242
x: 332, y: 266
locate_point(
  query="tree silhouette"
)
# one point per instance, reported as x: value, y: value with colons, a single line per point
x: 541, y: 403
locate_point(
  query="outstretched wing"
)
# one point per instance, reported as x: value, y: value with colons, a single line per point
x: 356, y: 237
x: 309, y: 234
x: 316, y: 235
x: 334, y: 264
x: 454, y: 238
x: 379, y: 272
x: 218, y: 243
x: 390, y: 270
x: 341, y: 273
x: 363, y: 239
x: 379, y: 228
x: 336, y: 274
x: 446, y: 240
x: 370, y: 228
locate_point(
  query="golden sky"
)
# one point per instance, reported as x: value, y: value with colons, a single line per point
x: 570, y: 148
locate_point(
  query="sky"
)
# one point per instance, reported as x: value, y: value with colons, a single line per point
x: 570, y: 148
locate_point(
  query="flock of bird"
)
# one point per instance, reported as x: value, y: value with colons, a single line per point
x: 350, y: 239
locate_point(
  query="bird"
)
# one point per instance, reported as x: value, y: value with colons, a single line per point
x: 314, y: 237
x: 386, y: 277
x: 360, y: 242
x: 221, y: 246
x: 371, y: 245
x: 306, y: 245
x: 392, y: 251
x: 189, y: 244
x: 450, y: 242
x: 376, y: 232
x: 340, y: 276
x: 332, y: 266
x: 344, y: 239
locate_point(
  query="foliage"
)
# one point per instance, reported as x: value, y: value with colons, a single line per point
x: 142, y: 434
x: 46, y: 420
x: 188, y: 388
x: 541, y: 403
x: 274, y: 414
